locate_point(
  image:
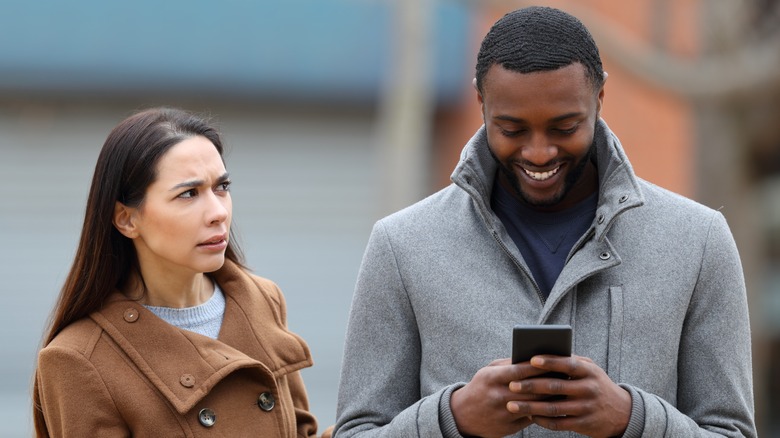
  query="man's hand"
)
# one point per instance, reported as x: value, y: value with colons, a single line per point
x: 480, y: 407
x: 594, y: 404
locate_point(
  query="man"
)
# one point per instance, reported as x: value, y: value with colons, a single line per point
x: 546, y: 223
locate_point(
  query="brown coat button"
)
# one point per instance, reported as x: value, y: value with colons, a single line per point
x: 131, y: 315
x: 187, y: 380
x: 266, y: 401
x: 207, y: 417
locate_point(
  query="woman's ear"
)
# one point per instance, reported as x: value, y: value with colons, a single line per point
x: 124, y: 220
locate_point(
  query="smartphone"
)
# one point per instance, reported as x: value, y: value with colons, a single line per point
x: 530, y: 340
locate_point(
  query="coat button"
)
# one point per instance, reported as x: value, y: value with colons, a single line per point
x: 266, y: 401
x: 187, y: 380
x: 601, y: 219
x: 130, y: 315
x: 623, y: 199
x: 207, y: 417
x: 605, y: 256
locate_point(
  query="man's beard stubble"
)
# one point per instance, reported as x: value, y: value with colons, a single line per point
x: 571, y: 179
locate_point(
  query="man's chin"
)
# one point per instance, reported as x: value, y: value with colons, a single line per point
x: 540, y: 200
x: 535, y: 202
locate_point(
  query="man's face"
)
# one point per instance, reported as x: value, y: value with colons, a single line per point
x: 540, y: 129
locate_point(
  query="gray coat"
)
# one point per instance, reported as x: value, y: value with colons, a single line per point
x: 654, y: 291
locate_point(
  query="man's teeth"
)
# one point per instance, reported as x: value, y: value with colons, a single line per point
x: 541, y: 176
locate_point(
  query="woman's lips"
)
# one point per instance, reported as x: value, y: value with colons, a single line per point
x: 215, y: 243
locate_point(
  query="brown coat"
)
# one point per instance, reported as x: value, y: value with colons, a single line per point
x: 125, y: 372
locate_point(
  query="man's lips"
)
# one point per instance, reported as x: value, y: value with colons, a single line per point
x: 542, y: 176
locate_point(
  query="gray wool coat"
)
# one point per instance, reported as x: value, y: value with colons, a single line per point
x: 654, y: 292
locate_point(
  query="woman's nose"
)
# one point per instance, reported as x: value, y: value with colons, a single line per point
x: 218, y: 208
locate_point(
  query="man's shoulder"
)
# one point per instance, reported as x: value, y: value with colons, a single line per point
x: 667, y: 202
x: 437, y: 208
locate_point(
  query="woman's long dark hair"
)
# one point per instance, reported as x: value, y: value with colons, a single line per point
x: 105, y: 259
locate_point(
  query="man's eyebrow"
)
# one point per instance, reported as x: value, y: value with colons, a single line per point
x: 565, y: 116
x: 199, y: 182
x: 554, y: 119
x: 509, y: 119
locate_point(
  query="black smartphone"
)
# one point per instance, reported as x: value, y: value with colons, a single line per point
x: 530, y: 340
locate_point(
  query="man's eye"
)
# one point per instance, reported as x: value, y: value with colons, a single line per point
x: 508, y: 133
x: 567, y: 131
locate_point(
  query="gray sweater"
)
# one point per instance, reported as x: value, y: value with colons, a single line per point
x: 654, y: 291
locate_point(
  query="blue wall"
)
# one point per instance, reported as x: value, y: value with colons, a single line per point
x: 331, y: 50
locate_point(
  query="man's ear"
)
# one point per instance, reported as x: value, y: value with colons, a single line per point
x: 601, y: 94
x: 124, y: 220
x: 479, y: 96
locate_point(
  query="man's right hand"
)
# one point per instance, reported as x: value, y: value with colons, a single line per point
x: 480, y: 407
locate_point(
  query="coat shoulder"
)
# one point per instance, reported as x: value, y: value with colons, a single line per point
x: 80, y: 336
x: 266, y: 285
x: 435, y: 211
x: 671, y: 202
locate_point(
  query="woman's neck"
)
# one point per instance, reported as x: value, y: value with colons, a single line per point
x: 173, y: 291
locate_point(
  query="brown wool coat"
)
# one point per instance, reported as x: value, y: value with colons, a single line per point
x: 125, y: 372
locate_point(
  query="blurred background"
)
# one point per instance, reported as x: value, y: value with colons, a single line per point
x: 338, y: 112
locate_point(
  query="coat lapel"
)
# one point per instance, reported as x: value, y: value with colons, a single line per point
x: 184, y: 366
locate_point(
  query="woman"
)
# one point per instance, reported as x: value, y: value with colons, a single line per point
x: 159, y: 329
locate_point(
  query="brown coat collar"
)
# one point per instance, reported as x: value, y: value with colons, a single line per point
x: 253, y: 334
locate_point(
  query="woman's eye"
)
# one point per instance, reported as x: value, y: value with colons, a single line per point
x: 224, y: 187
x: 191, y: 193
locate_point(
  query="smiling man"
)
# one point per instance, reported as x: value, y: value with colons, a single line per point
x: 540, y: 131
x: 545, y: 222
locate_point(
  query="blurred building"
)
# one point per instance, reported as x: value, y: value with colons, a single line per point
x: 337, y: 112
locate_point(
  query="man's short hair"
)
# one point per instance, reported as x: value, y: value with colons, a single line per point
x: 539, y: 38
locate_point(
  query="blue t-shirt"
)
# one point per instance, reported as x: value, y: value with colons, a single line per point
x: 544, y: 238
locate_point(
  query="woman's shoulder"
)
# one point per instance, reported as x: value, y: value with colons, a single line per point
x: 79, y: 337
x: 267, y: 289
x: 233, y: 278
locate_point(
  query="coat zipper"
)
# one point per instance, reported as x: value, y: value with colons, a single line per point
x: 517, y: 263
x: 520, y: 266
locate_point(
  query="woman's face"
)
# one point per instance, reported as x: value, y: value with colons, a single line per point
x: 183, y: 224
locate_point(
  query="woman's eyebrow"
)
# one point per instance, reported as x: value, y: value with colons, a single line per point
x: 199, y: 182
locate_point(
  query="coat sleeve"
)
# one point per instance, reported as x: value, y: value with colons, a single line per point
x: 379, y: 391
x: 715, y: 387
x: 74, y: 400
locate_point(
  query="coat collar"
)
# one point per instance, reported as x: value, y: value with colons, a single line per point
x: 618, y: 186
x: 185, y: 366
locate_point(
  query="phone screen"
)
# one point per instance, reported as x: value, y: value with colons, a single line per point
x: 530, y: 340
